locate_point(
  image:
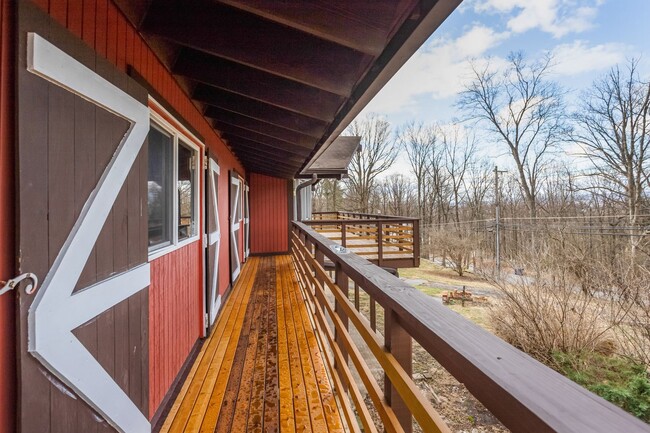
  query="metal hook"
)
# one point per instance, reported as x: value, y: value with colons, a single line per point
x: 11, y: 284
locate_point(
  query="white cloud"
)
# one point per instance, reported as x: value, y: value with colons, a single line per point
x: 557, y: 17
x: 578, y: 57
x: 437, y: 70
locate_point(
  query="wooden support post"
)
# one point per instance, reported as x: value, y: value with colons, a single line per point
x: 380, y: 244
x: 356, y: 296
x: 373, y: 314
x: 343, y: 230
x: 342, y: 282
x: 400, y: 344
x: 416, y: 243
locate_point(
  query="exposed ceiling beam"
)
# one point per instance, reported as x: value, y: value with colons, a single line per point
x: 271, y: 173
x: 245, y: 38
x: 256, y: 84
x: 239, y: 142
x: 352, y: 24
x: 272, y: 160
x: 230, y: 130
x: 266, y: 152
x: 224, y: 116
x: 259, y: 110
x: 253, y: 162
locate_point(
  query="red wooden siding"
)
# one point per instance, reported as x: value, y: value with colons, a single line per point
x: 7, y: 319
x: 269, y: 214
x: 173, y: 325
x: 176, y: 309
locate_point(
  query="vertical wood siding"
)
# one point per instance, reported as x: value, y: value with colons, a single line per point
x: 173, y: 303
x: 7, y: 316
x: 104, y: 28
x: 269, y: 214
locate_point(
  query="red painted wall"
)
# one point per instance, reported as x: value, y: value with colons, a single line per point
x: 103, y: 27
x: 173, y: 302
x: 7, y: 317
x: 269, y: 214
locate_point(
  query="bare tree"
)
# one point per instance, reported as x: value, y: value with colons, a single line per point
x: 459, y: 149
x: 613, y: 130
x: 397, y: 195
x: 328, y: 195
x: 419, y: 141
x: 524, y: 110
x: 377, y: 153
x: 478, y: 186
x: 559, y: 191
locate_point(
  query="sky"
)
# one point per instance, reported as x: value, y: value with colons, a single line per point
x: 586, y: 38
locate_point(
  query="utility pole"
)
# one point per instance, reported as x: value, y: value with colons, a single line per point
x: 497, y: 218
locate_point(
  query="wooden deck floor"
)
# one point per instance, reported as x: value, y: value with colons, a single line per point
x: 261, y: 369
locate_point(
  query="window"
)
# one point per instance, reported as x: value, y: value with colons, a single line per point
x: 172, y: 188
x: 159, y: 188
x: 186, y: 187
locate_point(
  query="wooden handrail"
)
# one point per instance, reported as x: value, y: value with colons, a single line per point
x: 525, y: 395
x: 358, y: 215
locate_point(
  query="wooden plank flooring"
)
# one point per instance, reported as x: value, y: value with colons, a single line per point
x: 261, y: 369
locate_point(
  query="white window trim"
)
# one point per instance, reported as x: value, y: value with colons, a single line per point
x: 190, y: 141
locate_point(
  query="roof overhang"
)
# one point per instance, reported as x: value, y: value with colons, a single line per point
x: 333, y: 161
x: 281, y: 80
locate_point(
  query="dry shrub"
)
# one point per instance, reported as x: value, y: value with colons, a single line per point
x: 545, y: 312
x: 634, y: 331
x: 455, y: 247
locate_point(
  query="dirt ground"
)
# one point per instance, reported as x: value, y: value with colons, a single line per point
x: 460, y: 410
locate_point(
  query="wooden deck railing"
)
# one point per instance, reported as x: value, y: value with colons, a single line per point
x: 522, y: 393
x: 388, y: 241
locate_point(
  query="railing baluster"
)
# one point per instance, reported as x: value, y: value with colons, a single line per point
x: 320, y: 259
x: 342, y: 281
x: 356, y: 296
x: 373, y: 314
x: 400, y: 344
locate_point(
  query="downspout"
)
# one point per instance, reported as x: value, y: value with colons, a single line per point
x: 299, y: 188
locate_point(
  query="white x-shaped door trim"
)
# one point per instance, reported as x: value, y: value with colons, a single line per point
x: 214, y: 238
x: 235, y: 226
x: 247, y: 227
x: 56, y: 311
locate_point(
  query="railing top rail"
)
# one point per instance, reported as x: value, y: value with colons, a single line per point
x: 369, y: 215
x: 359, y: 221
x: 524, y: 394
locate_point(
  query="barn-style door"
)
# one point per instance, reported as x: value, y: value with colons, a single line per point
x: 82, y: 229
x: 235, y: 225
x: 213, y: 239
x: 247, y: 227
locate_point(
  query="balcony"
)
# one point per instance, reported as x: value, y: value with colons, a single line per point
x: 386, y: 241
x: 292, y: 351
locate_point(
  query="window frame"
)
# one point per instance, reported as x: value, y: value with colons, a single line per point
x: 162, y: 122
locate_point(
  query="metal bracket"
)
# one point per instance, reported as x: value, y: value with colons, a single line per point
x: 11, y: 284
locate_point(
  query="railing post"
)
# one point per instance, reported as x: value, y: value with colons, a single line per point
x: 400, y: 344
x: 416, y: 242
x: 380, y: 244
x: 342, y: 282
x: 343, y: 229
